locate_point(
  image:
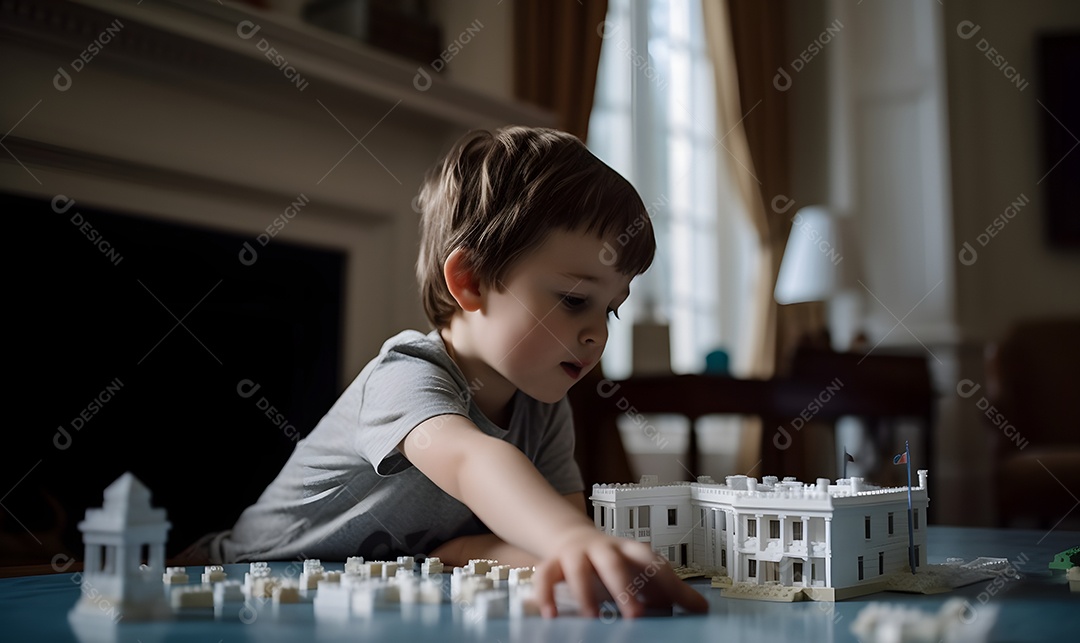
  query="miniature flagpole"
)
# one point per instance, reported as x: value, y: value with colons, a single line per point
x: 845, y: 460
x: 910, y: 524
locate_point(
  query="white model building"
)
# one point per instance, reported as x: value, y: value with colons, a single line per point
x: 120, y: 537
x: 841, y: 538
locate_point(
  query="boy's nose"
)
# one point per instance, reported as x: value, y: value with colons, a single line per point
x: 594, y: 335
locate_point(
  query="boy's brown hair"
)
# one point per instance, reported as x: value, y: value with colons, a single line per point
x: 498, y: 195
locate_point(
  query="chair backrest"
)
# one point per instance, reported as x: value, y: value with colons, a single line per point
x: 1034, y: 381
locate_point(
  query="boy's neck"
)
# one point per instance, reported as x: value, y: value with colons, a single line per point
x: 491, y: 391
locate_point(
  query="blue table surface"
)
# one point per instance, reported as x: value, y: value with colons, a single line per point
x: 1036, y: 607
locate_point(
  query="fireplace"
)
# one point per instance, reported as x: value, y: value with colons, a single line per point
x: 158, y: 167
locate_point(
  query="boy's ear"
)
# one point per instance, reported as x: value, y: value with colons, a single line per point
x: 460, y: 281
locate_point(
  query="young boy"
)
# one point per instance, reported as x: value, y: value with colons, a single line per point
x: 459, y: 443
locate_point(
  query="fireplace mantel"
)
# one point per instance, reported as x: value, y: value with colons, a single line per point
x: 172, y: 110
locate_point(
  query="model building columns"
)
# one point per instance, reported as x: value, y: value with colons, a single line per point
x: 828, y: 551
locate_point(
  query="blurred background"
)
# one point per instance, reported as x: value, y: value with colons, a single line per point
x: 868, y: 227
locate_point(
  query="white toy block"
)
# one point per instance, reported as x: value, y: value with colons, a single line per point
x: 499, y: 572
x: 353, y: 563
x: 480, y: 565
x: 263, y: 586
x: 192, y: 596
x: 213, y: 574
x: 374, y: 569
x: 255, y: 570
x: 175, y: 576
x: 523, y: 602
x: 407, y: 563
x: 431, y: 566
x: 229, y: 591
x: 489, y: 604
x: 332, y: 578
x: 520, y: 576
x: 885, y: 623
x: 287, y: 591
x: 312, y: 574
x: 467, y: 585
x: 389, y: 570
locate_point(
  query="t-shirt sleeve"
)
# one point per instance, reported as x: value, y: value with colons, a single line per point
x: 555, y: 459
x: 406, y: 387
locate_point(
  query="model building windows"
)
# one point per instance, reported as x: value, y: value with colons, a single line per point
x: 796, y: 573
x: 751, y: 570
x: 866, y: 527
x: 796, y: 531
x: 880, y: 563
x: 774, y: 529
x: 631, y: 525
x: 890, y: 523
x: 673, y: 517
x: 860, y: 568
x: 916, y: 518
x: 603, y: 512
x: 751, y: 528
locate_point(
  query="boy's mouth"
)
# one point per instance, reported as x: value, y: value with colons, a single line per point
x: 572, y: 369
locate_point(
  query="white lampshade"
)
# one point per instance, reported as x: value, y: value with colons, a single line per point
x: 814, y: 267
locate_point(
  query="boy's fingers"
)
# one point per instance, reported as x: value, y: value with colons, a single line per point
x: 579, y: 575
x: 686, y: 596
x: 612, y: 570
x: 544, y: 579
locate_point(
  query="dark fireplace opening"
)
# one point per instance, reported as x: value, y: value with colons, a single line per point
x: 160, y: 349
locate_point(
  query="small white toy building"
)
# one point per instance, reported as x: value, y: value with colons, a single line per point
x: 120, y: 537
x: 840, y: 538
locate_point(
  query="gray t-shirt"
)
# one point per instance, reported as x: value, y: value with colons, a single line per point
x: 347, y: 491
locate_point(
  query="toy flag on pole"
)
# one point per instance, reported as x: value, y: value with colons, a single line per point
x: 847, y: 458
x: 902, y: 458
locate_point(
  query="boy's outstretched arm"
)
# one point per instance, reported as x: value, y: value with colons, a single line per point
x: 504, y: 489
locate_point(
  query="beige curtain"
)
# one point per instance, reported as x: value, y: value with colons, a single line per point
x: 746, y: 44
x: 556, y: 55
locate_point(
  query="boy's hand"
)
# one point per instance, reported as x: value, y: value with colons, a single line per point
x: 631, y: 572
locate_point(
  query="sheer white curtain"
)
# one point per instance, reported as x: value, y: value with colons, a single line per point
x: 653, y: 120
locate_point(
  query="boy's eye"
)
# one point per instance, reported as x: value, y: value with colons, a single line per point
x: 573, y: 302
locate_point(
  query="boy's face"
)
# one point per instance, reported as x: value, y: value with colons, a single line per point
x: 545, y: 326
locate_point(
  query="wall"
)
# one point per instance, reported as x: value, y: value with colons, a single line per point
x: 996, y: 157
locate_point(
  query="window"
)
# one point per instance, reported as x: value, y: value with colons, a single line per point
x: 867, y: 527
x: 860, y: 568
x: 673, y: 517
x: 603, y: 512
x: 880, y: 563
x: 631, y: 524
x: 702, y: 523
x: 796, y: 530
x: 916, y: 518
x: 682, y: 554
x: 774, y: 529
x: 751, y: 528
x: 654, y: 121
x: 671, y: 554
x: 751, y: 569
x: 723, y: 558
x: 917, y: 555
x: 890, y: 523
x: 796, y: 572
